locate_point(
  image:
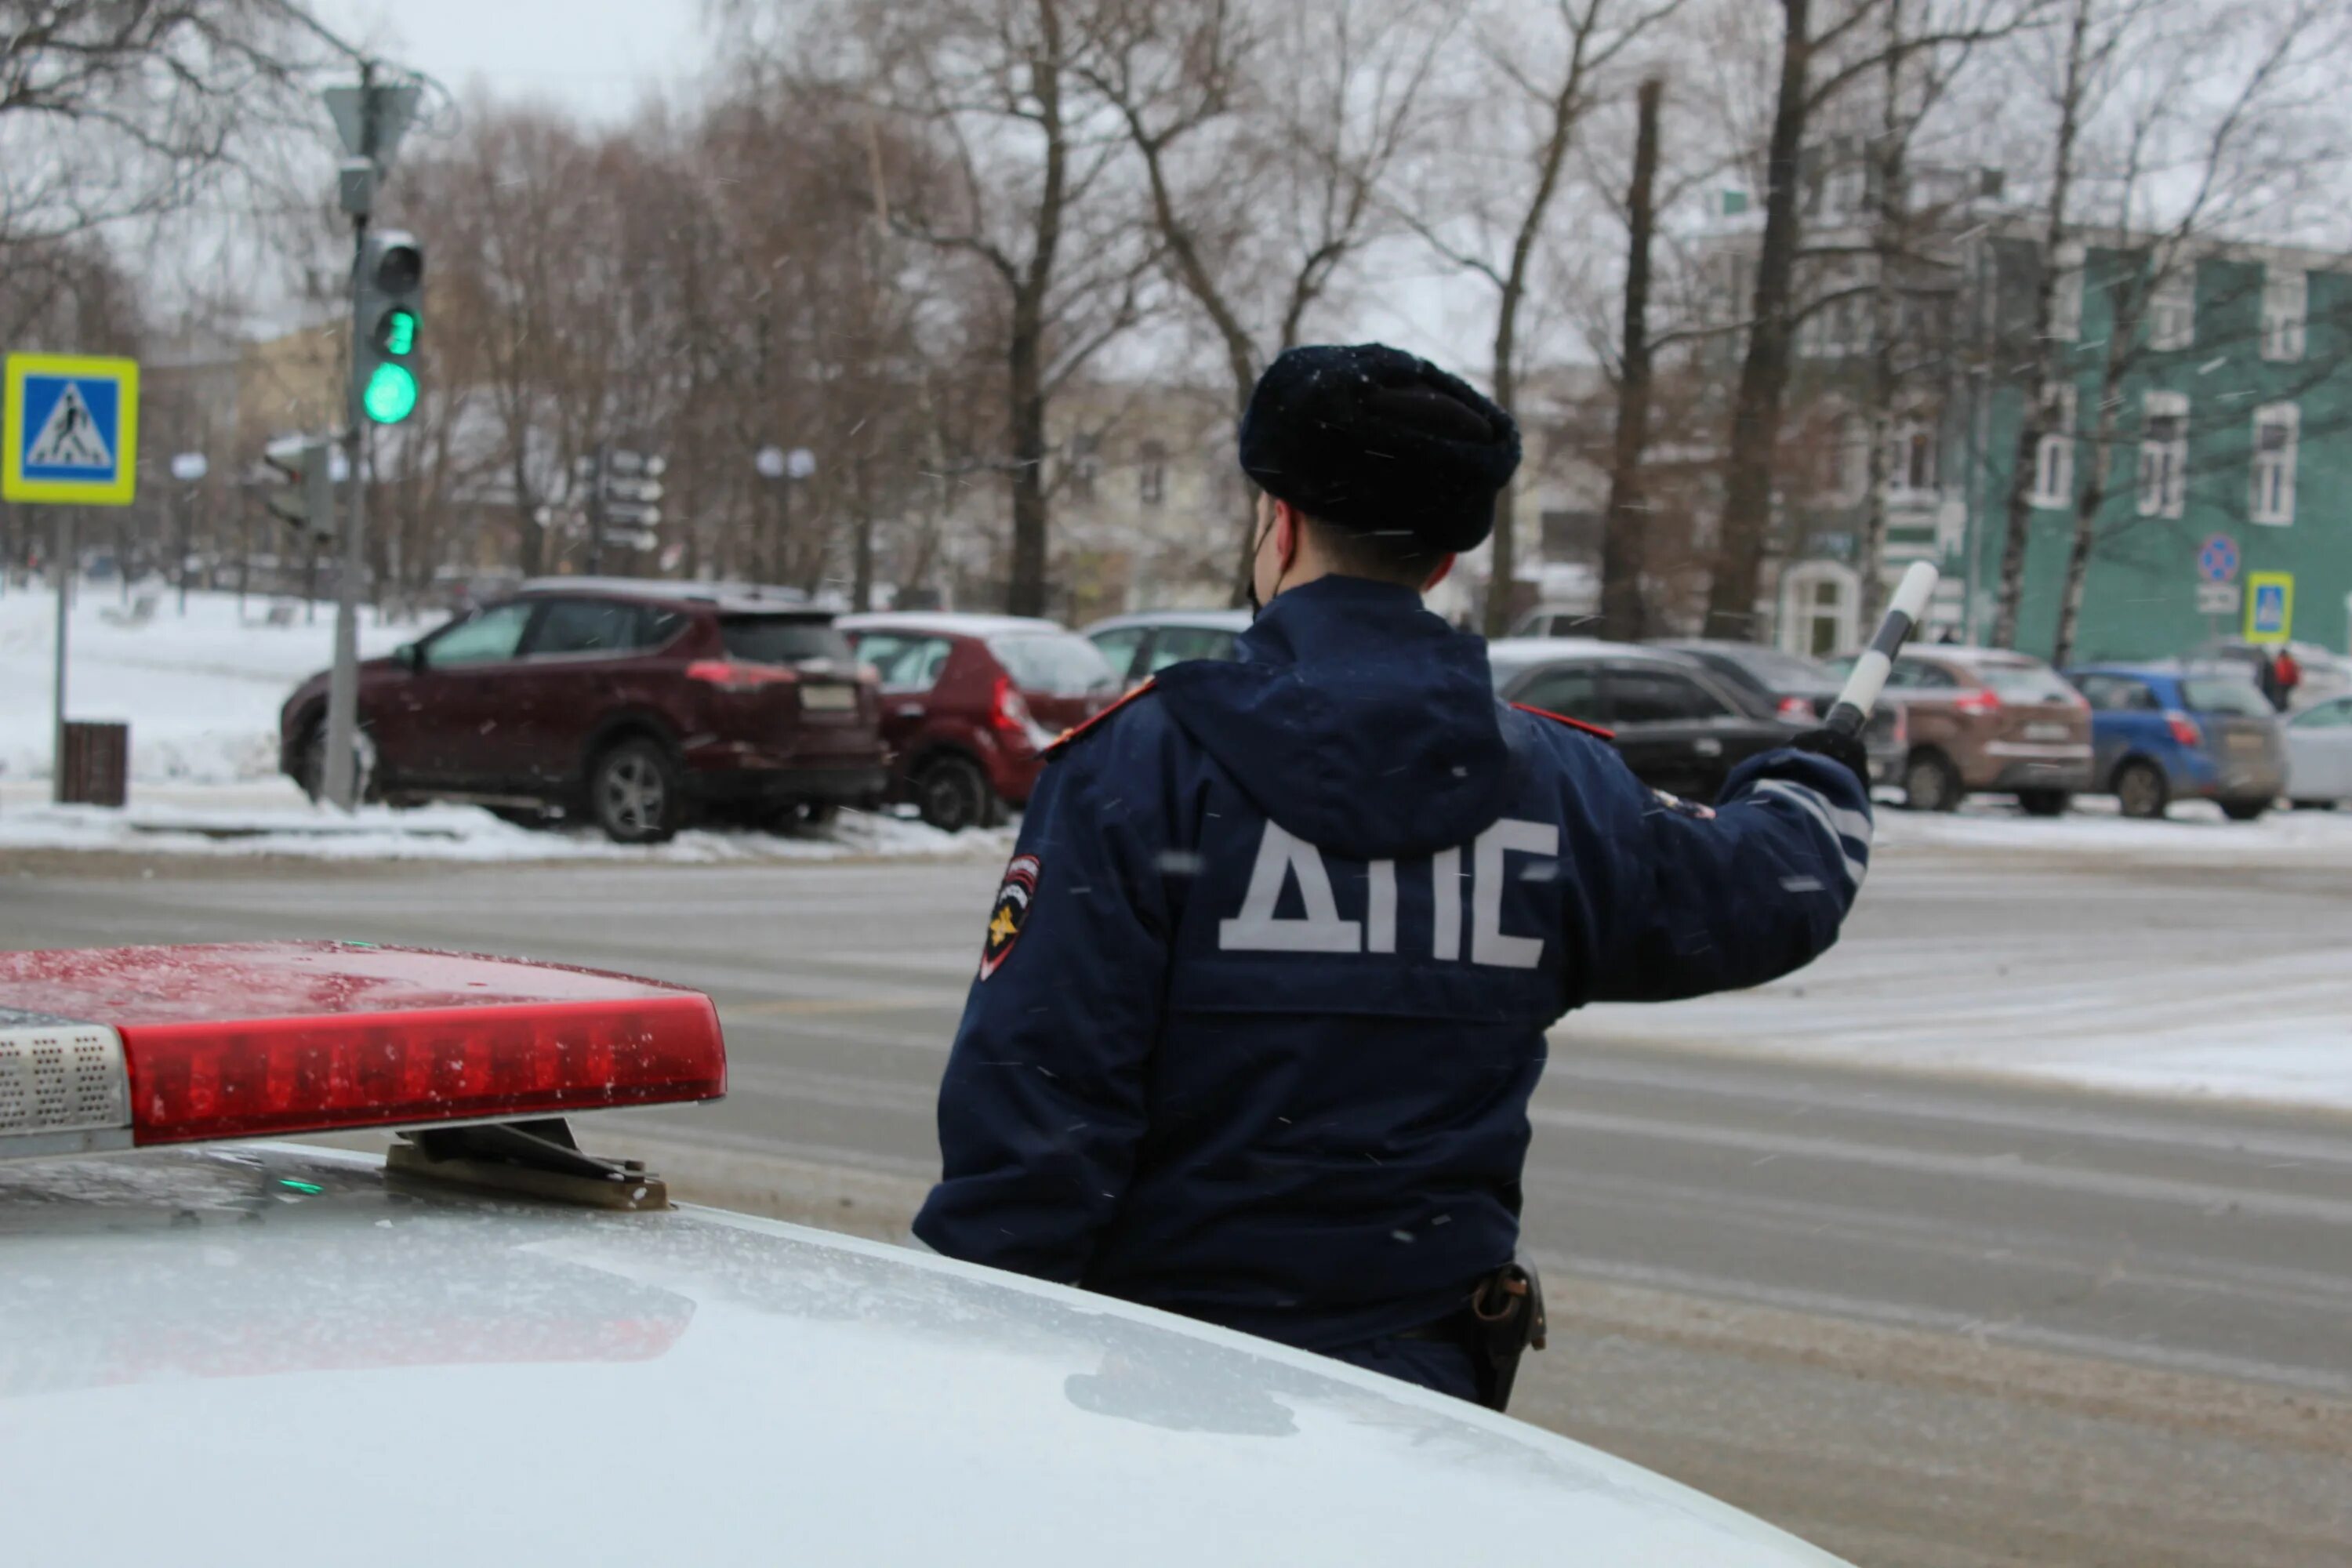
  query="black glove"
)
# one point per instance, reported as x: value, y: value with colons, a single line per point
x: 1837, y: 748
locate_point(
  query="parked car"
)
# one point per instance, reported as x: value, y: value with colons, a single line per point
x: 636, y: 705
x: 1556, y: 620
x: 2319, y: 755
x: 1987, y: 720
x: 2165, y: 731
x: 970, y: 702
x: 1798, y: 690
x: 2326, y: 674
x: 1140, y: 646
x: 1677, y: 725
x: 298, y: 1354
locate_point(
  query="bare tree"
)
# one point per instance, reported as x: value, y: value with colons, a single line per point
x: 992, y: 81
x: 1265, y: 131
x: 1847, y: 57
x: 1625, y: 526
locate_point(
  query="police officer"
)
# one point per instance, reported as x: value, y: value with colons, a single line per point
x: 1264, y: 993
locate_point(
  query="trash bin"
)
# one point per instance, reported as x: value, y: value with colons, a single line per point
x: 96, y: 768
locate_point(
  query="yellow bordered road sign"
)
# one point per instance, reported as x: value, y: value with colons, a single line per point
x: 71, y: 434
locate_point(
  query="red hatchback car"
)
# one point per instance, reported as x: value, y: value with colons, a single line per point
x: 638, y: 705
x: 970, y: 703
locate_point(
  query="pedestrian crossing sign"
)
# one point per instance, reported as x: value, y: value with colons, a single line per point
x: 69, y: 432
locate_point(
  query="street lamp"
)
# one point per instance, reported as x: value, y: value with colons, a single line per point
x: 782, y: 469
x: 189, y: 469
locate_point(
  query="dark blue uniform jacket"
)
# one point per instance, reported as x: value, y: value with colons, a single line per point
x: 1265, y: 992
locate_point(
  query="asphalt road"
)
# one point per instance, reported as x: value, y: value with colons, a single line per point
x: 1919, y: 1317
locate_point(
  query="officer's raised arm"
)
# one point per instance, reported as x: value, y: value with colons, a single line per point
x: 1691, y: 899
x: 1043, y: 1103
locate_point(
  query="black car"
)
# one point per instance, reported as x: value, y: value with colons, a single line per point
x: 1798, y: 690
x: 1678, y: 725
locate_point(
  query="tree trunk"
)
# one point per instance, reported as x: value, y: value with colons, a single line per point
x: 2091, y: 492
x: 1502, y: 561
x: 1025, y: 590
x: 1886, y: 248
x: 1623, y: 608
x: 2041, y: 407
x: 1764, y: 374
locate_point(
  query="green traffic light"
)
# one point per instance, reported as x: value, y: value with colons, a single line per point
x: 399, y: 332
x: 391, y: 394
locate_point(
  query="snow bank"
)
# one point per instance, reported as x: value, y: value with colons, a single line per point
x: 459, y: 834
x: 201, y: 693
x: 2194, y: 829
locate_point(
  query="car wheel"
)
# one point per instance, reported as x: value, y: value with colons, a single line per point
x: 951, y: 794
x: 2140, y: 790
x: 2045, y: 802
x: 2245, y: 810
x: 1930, y: 783
x: 314, y: 764
x: 634, y: 792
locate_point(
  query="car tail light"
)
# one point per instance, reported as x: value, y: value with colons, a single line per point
x: 1798, y: 709
x: 183, y: 1044
x: 1007, y: 710
x: 2184, y: 728
x: 729, y: 676
x: 1980, y: 701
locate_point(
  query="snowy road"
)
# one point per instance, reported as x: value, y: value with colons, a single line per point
x: 1924, y: 1317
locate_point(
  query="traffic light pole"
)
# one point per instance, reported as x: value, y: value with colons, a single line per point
x: 341, y: 781
x: 65, y: 571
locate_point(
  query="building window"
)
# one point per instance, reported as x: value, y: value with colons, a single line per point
x: 1911, y: 466
x: 2285, y: 300
x: 1819, y: 602
x: 1733, y: 284
x: 2066, y: 298
x: 1852, y: 478
x: 2054, y: 456
x: 2276, y: 429
x: 1080, y: 464
x: 1152, y: 474
x: 2172, y: 310
x: 2164, y: 455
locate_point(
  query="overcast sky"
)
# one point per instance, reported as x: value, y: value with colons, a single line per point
x: 598, y: 56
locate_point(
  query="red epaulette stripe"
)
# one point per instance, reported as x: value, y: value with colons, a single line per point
x: 1075, y: 730
x: 1564, y: 718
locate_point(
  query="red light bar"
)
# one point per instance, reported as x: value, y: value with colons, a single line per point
x: 251, y: 1041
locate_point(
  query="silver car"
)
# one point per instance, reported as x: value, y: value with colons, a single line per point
x: 2319, y: 754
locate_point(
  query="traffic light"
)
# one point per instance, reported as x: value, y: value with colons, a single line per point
x: 387, y: 312
x: 300, y: 483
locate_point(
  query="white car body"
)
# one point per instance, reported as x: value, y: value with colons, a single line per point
x: 2319, y: 753
x: 269, y: 1355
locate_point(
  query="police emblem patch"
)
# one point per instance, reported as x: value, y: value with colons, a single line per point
x: 1682, y: 807
x: 1010, y: 913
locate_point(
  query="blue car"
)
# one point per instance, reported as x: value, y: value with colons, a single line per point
x: 2162, y: 733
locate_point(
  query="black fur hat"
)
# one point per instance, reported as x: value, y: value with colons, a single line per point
x: 1375, y: 440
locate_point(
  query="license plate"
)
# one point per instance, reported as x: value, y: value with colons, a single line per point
x: 2243, y: 741
x: 2045, y: 731
x: 828, y: 699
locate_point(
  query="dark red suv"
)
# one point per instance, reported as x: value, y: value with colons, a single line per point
x: 635, y: 705
x: 970, y: 703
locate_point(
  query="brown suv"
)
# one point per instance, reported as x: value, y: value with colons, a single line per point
x: 634, y: 704
x: 1985, y: 721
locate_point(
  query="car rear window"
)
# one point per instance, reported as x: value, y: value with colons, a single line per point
x: 781, y: 639
x: 1057, y: 664
x: 1782, y: 672
x: 2224, y: 696
x: 2018, y: 681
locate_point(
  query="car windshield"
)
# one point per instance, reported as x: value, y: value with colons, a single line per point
x: 2024, y: 680
x: 1056, y: 664
x: 781, y: 639
x: 2224, y: 696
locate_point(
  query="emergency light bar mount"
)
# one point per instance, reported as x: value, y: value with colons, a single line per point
x: 538, y: 1159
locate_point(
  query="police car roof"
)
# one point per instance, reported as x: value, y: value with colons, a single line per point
x: 948, y: 622
x: 275, y: 1354
x: 1206, y: 620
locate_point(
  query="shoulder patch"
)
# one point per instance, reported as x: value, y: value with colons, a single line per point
x: 1075, y: 730
x: 1564, y: 718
